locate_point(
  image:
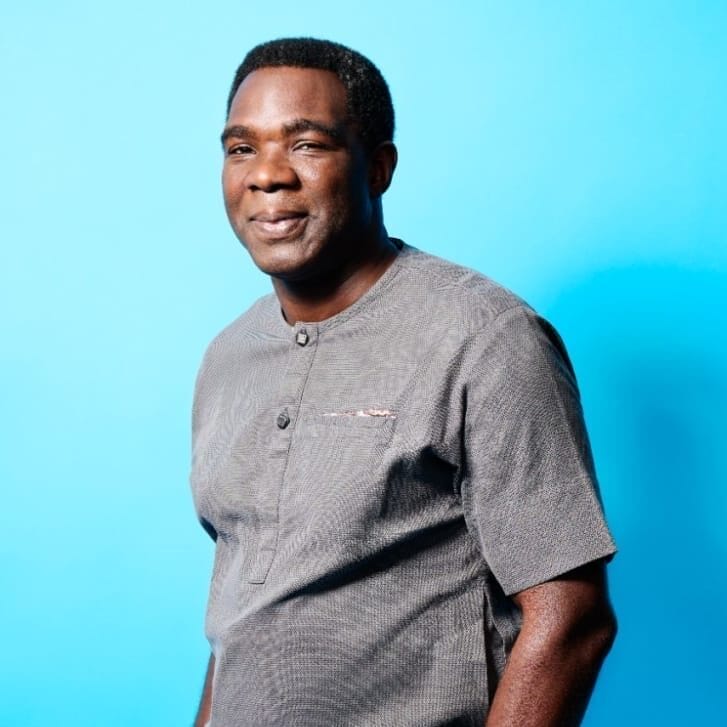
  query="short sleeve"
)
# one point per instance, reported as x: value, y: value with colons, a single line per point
x: 529, y: 488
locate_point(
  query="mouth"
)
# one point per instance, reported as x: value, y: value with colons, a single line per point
x: 278, y: 224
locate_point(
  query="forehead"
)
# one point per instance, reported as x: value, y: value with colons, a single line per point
x: 270, y: 96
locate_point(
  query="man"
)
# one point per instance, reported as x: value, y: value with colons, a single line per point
x: 389, y: 451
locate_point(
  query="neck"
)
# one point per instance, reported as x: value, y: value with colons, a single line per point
x: 323, y: 297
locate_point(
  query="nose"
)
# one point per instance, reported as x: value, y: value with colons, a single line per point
x: 271, y: 170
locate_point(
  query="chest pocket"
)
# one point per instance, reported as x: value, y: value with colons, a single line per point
x: 336, y: 475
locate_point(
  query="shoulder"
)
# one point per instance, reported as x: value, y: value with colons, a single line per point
x: 477, y: 315
x: 453, y: 294
x: 235, y: 339
x: 257, y: 319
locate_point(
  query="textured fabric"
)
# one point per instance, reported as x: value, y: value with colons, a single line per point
x: 377, y: 484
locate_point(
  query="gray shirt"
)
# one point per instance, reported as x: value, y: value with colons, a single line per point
x: 377, y: 484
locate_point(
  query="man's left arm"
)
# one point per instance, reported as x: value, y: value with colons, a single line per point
x: 568, y: 627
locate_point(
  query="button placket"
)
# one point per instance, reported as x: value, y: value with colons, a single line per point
x: 300, y: 359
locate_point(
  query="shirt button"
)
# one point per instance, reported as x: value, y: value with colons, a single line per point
x: 301, y: 338
x: 283, y: 419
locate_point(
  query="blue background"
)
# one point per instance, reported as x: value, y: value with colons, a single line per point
x: 573, y: 151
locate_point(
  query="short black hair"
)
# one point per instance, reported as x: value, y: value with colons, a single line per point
x: 367, y: 94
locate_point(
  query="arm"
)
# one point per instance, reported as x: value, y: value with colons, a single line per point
x: 205, y: 705
x: 567, y: 630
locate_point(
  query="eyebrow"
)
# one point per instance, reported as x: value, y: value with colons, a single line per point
x: 236, y: 132
x: 295, y: 127
x: 336, y: 133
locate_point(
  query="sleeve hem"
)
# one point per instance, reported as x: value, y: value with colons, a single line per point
x: 513, y: 586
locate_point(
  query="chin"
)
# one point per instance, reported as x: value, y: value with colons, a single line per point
x: 280, y: 263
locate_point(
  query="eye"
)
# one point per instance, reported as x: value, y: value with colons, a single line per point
x: 240, y: 150
x: 308, y: 145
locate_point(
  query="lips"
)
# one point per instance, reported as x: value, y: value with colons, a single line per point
x: 278, y: 224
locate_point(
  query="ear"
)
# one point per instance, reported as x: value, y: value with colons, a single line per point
x: 381, y: 163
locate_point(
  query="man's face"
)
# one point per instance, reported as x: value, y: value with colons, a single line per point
x: 295, y: 177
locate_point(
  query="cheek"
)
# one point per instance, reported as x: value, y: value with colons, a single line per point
x: 342, y: 196
x: 350, y: 202
x: 231, y: 188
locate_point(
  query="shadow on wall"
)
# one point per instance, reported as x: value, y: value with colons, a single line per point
x: 650, y: 346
